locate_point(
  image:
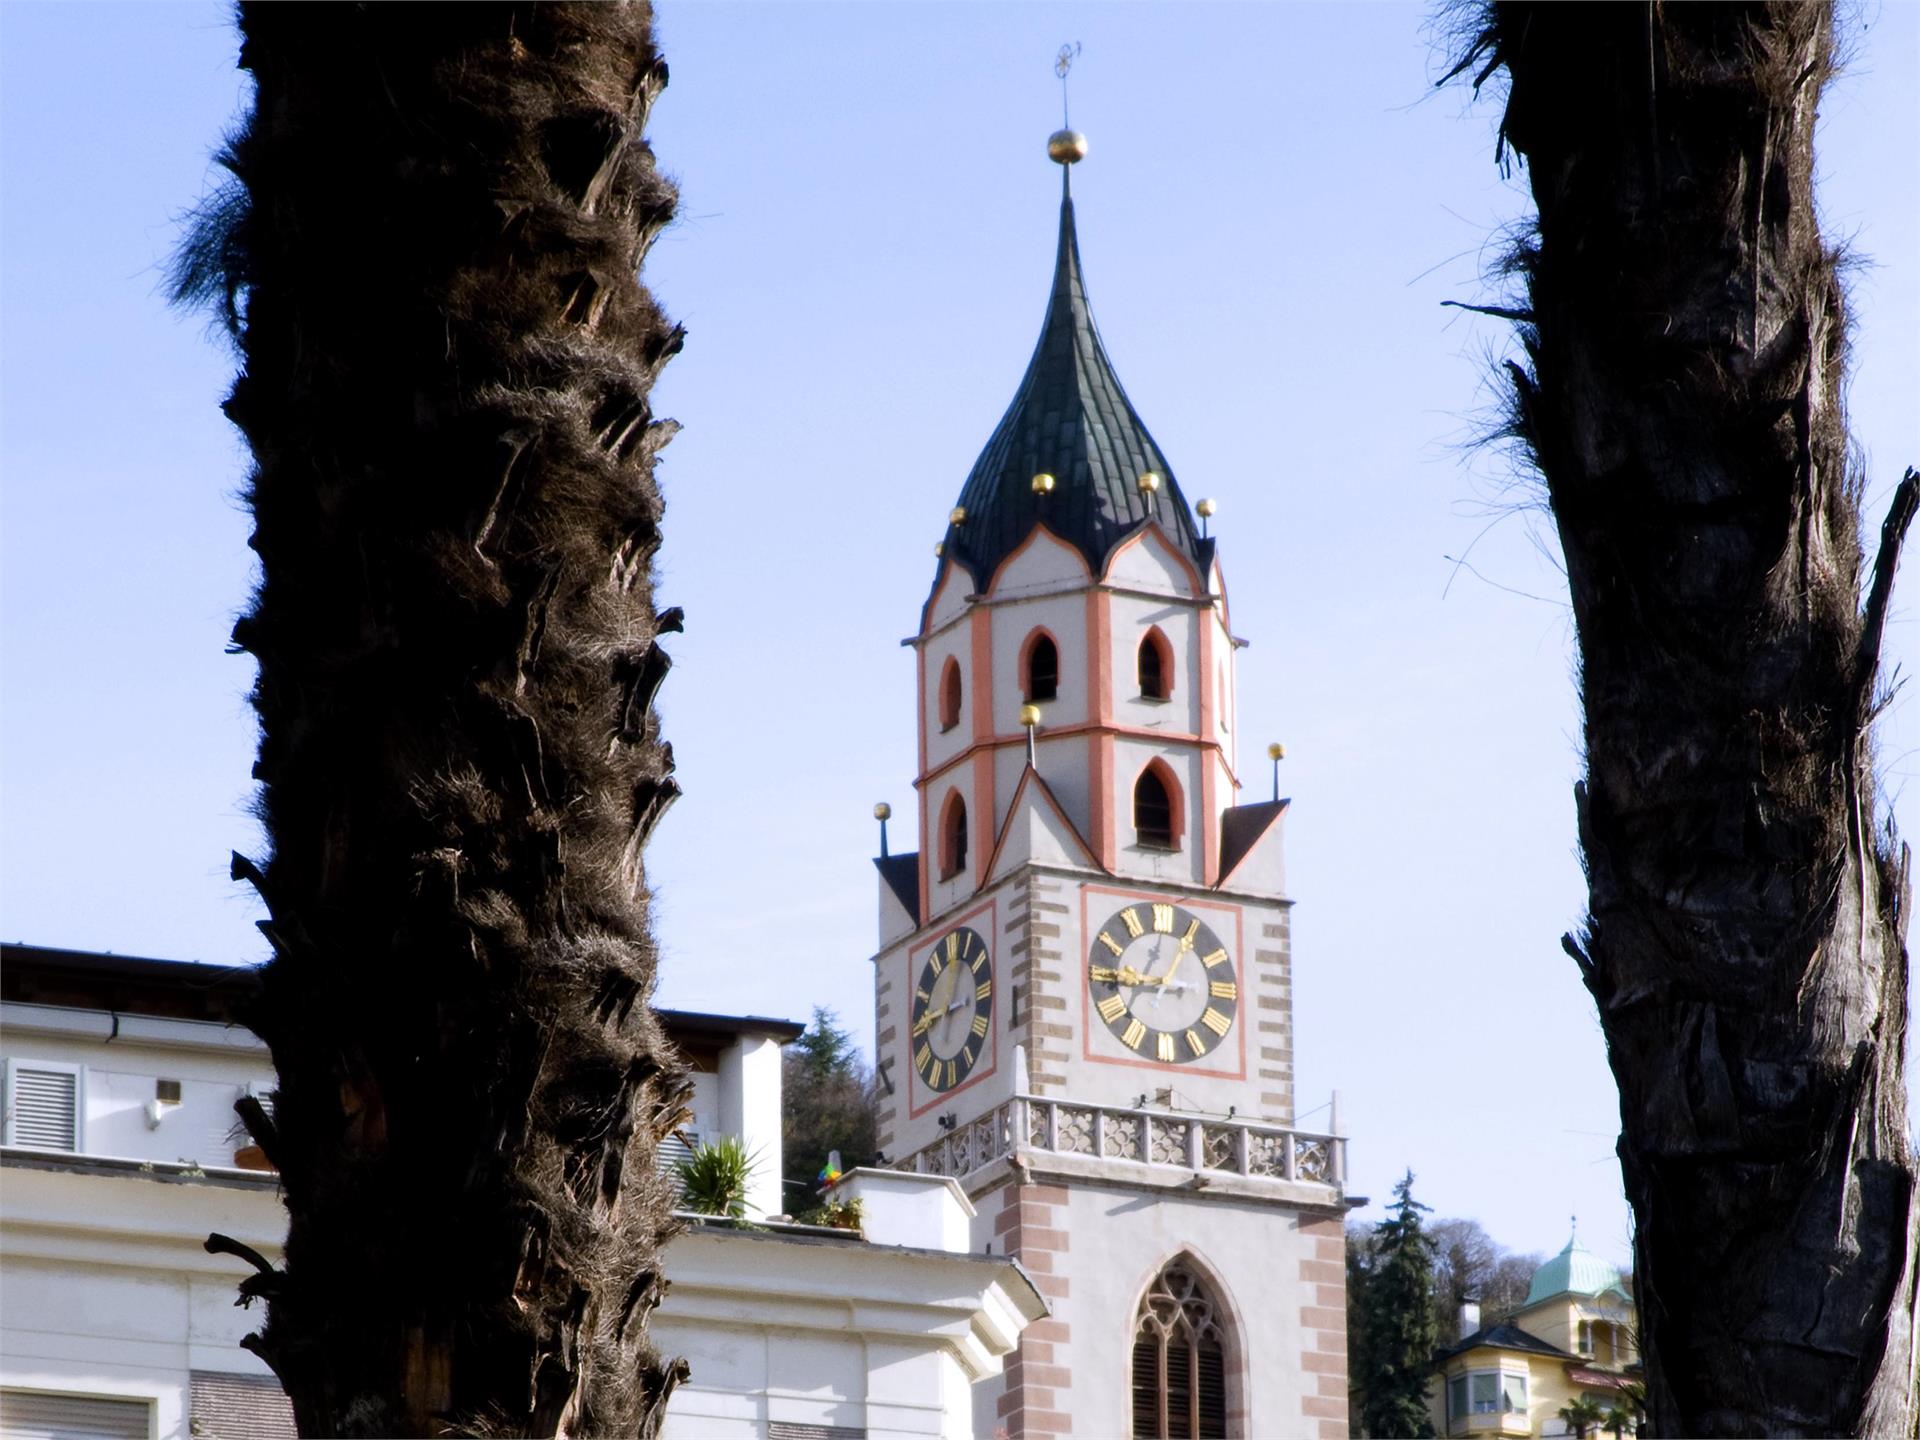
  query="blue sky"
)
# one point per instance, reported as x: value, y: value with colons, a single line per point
x: 1275, y: 205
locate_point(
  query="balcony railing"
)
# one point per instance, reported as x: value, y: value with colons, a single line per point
x: 1197, y: 1143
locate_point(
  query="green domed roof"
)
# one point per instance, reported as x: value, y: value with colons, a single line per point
x: 1576, y: 1270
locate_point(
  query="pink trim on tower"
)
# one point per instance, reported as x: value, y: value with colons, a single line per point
x: 1100, y: 715
x: 1209, y: 826
x: 982, y: 636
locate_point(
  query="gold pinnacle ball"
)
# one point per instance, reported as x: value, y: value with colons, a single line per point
x: 883, y: 811
x: 1150, y: 482
x: 1043, y: 484
x: 1276, y: 751
x: 939, y: 547
x: 957, y: 516
x: 1066, y: 147
x: 1029, y: 715
x: 1207, y: 507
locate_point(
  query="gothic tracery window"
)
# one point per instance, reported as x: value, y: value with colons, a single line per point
x: 1179, y: 1360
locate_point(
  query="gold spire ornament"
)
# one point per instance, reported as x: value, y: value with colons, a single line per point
x: 1150, y: 483
x: 958, y: 516
x: 1043, y: 484
x: 1066, y: 147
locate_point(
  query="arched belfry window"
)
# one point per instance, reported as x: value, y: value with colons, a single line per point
x: 953, y: 837
x: 950, y: 695
x: 1155, y: 666
x: 1179, y: 1360
x: 1153, y: 811
x: 1043, y: 668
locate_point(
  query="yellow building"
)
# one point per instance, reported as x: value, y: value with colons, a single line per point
x: 1574, y: 1336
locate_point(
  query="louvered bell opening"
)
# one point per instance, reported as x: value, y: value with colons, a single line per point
x: 1146, y: 1389
x: 45, y: 1106
x: 1179, y: 1389
x: 1211, y: 1399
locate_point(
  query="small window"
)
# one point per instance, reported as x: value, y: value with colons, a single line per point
x: 953, y: 838
x: 1155, y: 666
x: 1586, y: 1337
x: 1043, y: 669
x: 167, y: 1092
x: 1457, y: 1398
x: 1152, y: 812
x: 950, y: 695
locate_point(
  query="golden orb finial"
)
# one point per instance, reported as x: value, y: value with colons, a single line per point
x: 883, y: 811
x: 957, y: 516
x: 1149, y: 482
x: 939, y: 547
x: 1029, y: 715
x: 1276, y: 751
x: 1066, y: 147
x: 1207, y: 507
x: 1043, y: 484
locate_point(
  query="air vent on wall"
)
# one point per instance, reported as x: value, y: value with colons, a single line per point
x: 43, y: 1108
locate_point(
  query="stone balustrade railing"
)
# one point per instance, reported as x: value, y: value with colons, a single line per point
x: 1198, y: 1143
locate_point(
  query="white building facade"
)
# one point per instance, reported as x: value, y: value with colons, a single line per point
x: 121, y: 1155
x: 1083, y: 986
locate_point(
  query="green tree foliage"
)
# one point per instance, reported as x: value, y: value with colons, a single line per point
x: 829, y: 1100
x: 1582, y: 1414
x: 1400, y: 1330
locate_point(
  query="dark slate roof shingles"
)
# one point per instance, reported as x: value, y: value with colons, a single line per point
x: 1071, y: 419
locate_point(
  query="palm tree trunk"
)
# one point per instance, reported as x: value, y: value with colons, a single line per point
x: 431, y: 258
x: 1746, y: 935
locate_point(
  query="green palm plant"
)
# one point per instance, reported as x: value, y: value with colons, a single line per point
x: 714, y: 1178
x: 429, y: 260
x: 1582, y: 1414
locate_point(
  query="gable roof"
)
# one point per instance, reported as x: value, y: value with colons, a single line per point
x: 1044, y: 806
x: 1071, y: 419
x: 1502, y: 1337
x: 1241, y: 827
x: 902, y: 874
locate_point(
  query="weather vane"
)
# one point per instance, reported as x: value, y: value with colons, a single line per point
x: 1062, y: 63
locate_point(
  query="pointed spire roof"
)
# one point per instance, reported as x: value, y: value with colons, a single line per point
x: 1070, y: 419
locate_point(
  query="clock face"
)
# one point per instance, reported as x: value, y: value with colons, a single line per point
x: 1163, y: 983
x: 952, y: 1009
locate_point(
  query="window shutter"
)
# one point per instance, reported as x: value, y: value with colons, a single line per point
x: 1213, y: 1389
x: 44, y: 1109
x: 673, y: 1149
x: 36, y: 1415
x: 1146, y: 1388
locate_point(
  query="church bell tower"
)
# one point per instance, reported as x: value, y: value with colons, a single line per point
x: 1083, y: 983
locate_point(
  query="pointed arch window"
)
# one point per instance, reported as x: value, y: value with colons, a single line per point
x: 1043, y: 667
x: 950, y: 694
x: 1155, y: 666
x: 1153, y: 810
x: 1179, y: 1360
x: 953, y: 837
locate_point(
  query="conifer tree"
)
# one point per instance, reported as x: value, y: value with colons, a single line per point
x: 1401, y: 1330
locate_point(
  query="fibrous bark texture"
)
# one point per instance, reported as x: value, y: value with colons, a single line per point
x: 1746, y: 936
x: 430, y: 258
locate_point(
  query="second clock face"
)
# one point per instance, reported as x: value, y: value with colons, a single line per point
x: 1163, y: 983
x: 952, y: 1009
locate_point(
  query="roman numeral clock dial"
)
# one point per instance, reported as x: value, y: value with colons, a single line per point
x: 1163, y: 983
x: 952, y: 1010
